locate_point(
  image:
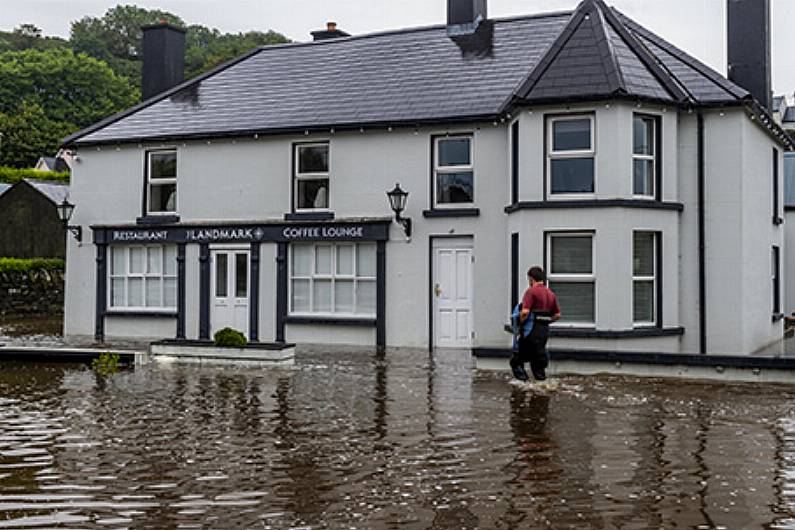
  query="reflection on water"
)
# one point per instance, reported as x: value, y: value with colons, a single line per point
x: 406, y: 440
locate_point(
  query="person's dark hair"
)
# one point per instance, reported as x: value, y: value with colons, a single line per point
x: 537, y: 273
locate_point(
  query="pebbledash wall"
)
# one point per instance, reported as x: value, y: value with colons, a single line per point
x: 245, y: 184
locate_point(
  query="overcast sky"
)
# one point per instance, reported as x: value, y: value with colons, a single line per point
x: 697, y: 26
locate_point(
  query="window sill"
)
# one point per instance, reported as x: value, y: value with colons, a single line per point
x: 776, y: 317
x: 594, y: 203
x: 140, y: 313
x: 640, y: 332
x: 451, y: 212
x: 324, y: 319
x: 309, y: 216
x: 777, y: 220
x: 154, y: 219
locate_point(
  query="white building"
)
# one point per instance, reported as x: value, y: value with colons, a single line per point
x: 254, y: 196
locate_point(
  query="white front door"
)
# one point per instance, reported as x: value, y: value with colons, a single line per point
x: 229, y: 280
x: 452, y: 292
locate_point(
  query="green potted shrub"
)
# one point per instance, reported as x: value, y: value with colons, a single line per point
x: 229, y: 338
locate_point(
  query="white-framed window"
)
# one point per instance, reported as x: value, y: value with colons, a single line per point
x: 311, y: 187
x: 143, y: 278
x: 571, y: 276
x: 644, y: 156
x: 644, y: 278
x: 336, y: 279
x: 453, y: 170
x: 571, y: 156
x: 161, y: 181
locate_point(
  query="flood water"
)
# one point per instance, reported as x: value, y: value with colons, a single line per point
x: 406, y: 440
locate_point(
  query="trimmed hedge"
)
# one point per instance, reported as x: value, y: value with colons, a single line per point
x: 26, y: 265
x: 229, y: 338
x: 12, y: 175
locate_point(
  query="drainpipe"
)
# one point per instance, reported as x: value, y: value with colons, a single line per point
x: 702, y: 283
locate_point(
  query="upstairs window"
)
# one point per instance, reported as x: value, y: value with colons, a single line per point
x: 453, y: 170
x: 776, y: 178
x: 311, y: 177
x: 644, y: 156
x: 161, y: 182
x: 571, y: 155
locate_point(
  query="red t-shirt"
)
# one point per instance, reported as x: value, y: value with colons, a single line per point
x: 540, y: 298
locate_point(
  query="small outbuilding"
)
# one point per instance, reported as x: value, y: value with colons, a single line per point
x: 29, y: 224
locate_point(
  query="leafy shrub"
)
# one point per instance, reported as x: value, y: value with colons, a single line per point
x: 26, y: 265
x: 106, y: 364
x: 11, y: 175
x: 229, y: 338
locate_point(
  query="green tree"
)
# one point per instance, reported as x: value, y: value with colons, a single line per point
x: 28, y: 36
x: 207, y: 48
x: 28, y: 134
x: 71, y: 88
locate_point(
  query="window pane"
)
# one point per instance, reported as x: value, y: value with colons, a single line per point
x: 643, y: 301
x: 135, y: 296
x: 302, y: 260
x: 365, y: 260
x: 323, y: 259
x: 153, y: 292
x: 300, y: 295
x: 163, y: 198
x: 343, y: 296
x: 163, y: 165
x: 170, y: 260
x: 571, y: 135
x: 571, y: 255
x: 221, y: 273
x: 153, y: 260
x: 365, y: 297
x: 576, y: 300
x: 643, y: 136
x: 454, y: 187
x: 345, y: 259
x: 454, y: 152
x: 643, y: 254
x: 241, y: 275
x: 313, y: 159
x: 321, y: 296
x: 117, y: 261
x: 170, y: 292
x: 312, y: 193
x: 572, y: 175
x: 643, y: 177
x: 136, y: 260
x: 117, y: 292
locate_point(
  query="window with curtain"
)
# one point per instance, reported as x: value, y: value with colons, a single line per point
x: 333, y: 279
x: 644, y: 278
x: 311, y: 187
x: 571, y: 276
x: 143, y: 277
x: 571, y: 155
x: 161, y: 177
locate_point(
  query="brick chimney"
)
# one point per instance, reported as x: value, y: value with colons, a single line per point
x: 331, y: 32
x: 164, y: 58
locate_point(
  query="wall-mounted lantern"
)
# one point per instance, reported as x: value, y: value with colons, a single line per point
x: 65, y: 210
x: 397, y: 201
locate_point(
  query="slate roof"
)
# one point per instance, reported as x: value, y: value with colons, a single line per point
x: 421, y: 75
x: 789, y: 116
x: 55, y: 191
x: 778, y: 101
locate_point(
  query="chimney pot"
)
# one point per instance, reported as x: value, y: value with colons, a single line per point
x: 331, y: 32
x: 331, y: 26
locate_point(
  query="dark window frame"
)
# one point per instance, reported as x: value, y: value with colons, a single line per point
x: 515, y: 162
x: 777, y: 218
x: 776, y: 274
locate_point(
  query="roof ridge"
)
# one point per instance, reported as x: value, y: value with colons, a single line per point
x: 647, y: 58
x: 715, y: 77
x: 608, y: 55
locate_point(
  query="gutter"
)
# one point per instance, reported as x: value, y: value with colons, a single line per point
x: 702, y: 287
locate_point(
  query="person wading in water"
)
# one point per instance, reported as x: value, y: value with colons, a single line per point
x: 539, y: 308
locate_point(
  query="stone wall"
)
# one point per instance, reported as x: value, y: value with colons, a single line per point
x: 33, y: 292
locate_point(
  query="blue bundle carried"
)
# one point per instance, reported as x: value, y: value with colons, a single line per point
x: 517, y: 327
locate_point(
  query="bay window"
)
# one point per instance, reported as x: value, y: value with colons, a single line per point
x: 333, y: 279
x: 571, y: 155
x: 161, y: 181
x: 571, y: 276
x: 644, y: 156
x: 143, y: 277
x: 311, y: 186
x: 453, y: 171
x: 644, y: 278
